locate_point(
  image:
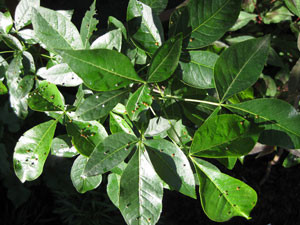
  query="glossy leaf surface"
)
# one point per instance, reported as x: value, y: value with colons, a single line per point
x: 62, y: 147
x: 141, y: 191
x: 239, y: 66
x: 55, y: 30
x: 109, y: 153
x: 6, y: 22
x: 224, y: 135
x: 165, y: 60
x: 23, y: 12
x: 110, y: 40
x: 223, y: 197
x: 157, y: 126
x: 171, y: 164
x: 11, y: 41
x: 279, y: 119
x: 96, y: 106
x: 46, y: 98
x: 197, y: 69
x: 113, y: 188
x: 118, y: 124
x: 32, y: 150
x: 157, y: 6
x: 203, y: 22
x: 101, y: 69
x: 139, y: 101
x: 81, y: 182
x: 85, y: 135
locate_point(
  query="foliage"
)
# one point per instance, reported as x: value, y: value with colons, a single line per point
x: 154, y: 107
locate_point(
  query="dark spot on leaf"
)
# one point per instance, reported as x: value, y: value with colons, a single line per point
x: 238, y: 188
x: 26, y: 160
x: 191, y: 39
x: 156, y: 43
x: 52, y: 96
x: 242, y: 122
x: 161, y: 150
x: 257, y: 116
x: 149, y: 219
x: 234, y: 205
x: 229, y: 212
x: 226, y: 192
x: 173, y: 154
x: 184, y: 164
x: 32, y: 163
x: 220, y: 195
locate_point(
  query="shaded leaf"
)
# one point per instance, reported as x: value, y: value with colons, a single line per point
x: 62, y: 147
x: 114, y: 23
x: 11, y: 41
x: 118, y: 124
x: 243, y: 19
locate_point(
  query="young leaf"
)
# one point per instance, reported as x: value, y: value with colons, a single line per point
x: 279, y: 119
x: 32, y: 150
x: 96, y: 106
x: 109, y: 153
x: 111, y: 40
x: 24, y: 11
x: 118, y: 124
x: 62, y: 147
x: 139, y: 101
x: 81, y: 182
x: 223, y: 197
x: 165, y: 60
x: 55, y: 30
x: 239, y: 66
x: 101, y: 69
x: 197, y: 69
x: 201, y: 29
x: 88, y: 25
x: 144, y: 27
x: 46, y: 98
x: 6, y: 22
x: 141, y: 191
x: 171, y: 164
x: 86, y: 135
x: 157, y: 6
x: 60, y: 74
x: 224, y: 135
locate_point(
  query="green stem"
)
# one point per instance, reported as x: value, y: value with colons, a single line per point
x: 6, y: 52
x: 191, y: 100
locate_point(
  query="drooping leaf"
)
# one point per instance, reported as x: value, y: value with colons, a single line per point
x: 62, y: 147
x: 157, y: 126
x: 28, y: 36
x: 171, y: 164
x: 24, y: 11
x: 55, y: 30
x: 277, y: 14
x: 67, y: 13
x: 60, y: 74
x: 6, y: 22
x: 225, y: 135
x: 118, y: 124
x: 32, y: 150
x: 239, y: 66
x: 249, y: 5
x: 197, y: 69
x: 85, y: 135
x: 11, y: 41
x: 144, y: 27
x: 294, y: 6
x: 46, y: 98
x: 109, y: 153
x: 223, y: 197
x: 141, y: 191
x: 203, y: 22
x: 243, y: 20
x: 157, y: 6
x: 111, y: 40
x: 88, y: 25
x: 139, y: 101
x: 229, y: 162
x: 279, y: 119
x: 96, y: 106
x: 165, y: 60
x: 101, y: 69
x: 114, y: 23
x: 81, y: 182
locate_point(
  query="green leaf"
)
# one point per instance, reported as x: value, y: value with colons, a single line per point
x: 111, y: 40
x: 157, y: 126
x: 81, y: 182
x: 291, y: 160
x: 249, y: 5
x: 157, y: 6
x: 11, y: 41
x: 294, y: 6
x: 179, y: 133
x: 60, y: 74
x: 85, y: 135
x: 62, y: 147
x: 239, y: 66
x: 243, y: 20
x: 141, y: 191
x: 144, y: 27
x: 96, y: 106
x: 3, y: 88
x: 113, y: 188
x: 171, y: 164
x: 229, y: 162
x: 139, y: 101
x: 28, y: 36
x: 88, y: 25
x: 197, y: 69
x: 223, y: 197
x: 118, y: 124
x: 32, y: 150
x: 165, y: 60
x: 109, y: 153
x: 201, y: 29
x: 6, y: 22
x: 277, y: 15
x: 279, y: 119
x: 224, y: 135
x: 55, y: 30
x: 23, y: 12
x: 46, y: 98
x: 101, y: 69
